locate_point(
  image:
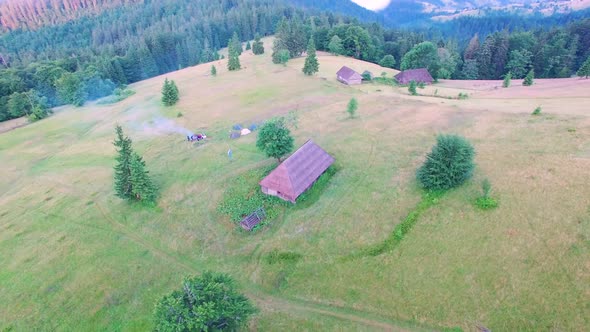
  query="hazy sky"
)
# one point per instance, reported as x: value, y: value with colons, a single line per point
x: 373, y: 4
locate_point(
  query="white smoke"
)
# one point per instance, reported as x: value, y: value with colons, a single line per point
x: 160, y: 126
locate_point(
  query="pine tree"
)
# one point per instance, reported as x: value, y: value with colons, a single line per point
x: 507, y: 79
x: 233, y: 62
x: 169, y: 93
x: 528, y: 80
x: 236, y: 43
x: 449, y: 164
x: 311, y: 65
x: 258, y: 46
x: 123, y: 188
x: 248, y: 46
x: 142, y: 187
x: 213, y: 71
x: 584, y: 70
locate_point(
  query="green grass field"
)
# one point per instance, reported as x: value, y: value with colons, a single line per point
x: 74, y: 257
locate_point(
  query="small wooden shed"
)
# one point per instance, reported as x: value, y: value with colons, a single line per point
x: 349, y: 76
x: 420, y: 75
x: 297, y: 173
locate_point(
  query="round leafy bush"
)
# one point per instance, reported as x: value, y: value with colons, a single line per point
x: 210, y: 302
x: 448, y: 165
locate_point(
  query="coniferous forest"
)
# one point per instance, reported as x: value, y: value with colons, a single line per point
x: 57, y: 52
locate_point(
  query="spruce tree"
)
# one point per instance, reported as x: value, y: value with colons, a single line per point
x: 448, y: 165
x: 507, y: 79
x: 248, y: 46
x: 169, y: 93
x: 142, y: 188
x: 236, y: 43
x: 233, y: 62
x: 123, y: 187
x: 311, y: 65
x: 528, y: 80
x: 213, y: 71
x: 584, y: 70
x: 258, y: 46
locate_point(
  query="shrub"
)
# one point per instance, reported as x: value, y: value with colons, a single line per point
x: 529, y: 79
x: 366, y: 76
x: 210, y: 302
x: 179, y: 115
x: 462, y: 96
x: 412, y: 88
x: 421, y: 85
x: 448, y: 165
x: 507, y: 80
x: 281, y: 56
x: 352, y: 107
x: 485, y: 201
x: 537, y: 111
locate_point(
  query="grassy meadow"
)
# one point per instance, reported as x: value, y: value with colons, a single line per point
x: 75, y: 257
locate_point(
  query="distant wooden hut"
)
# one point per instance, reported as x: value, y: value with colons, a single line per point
x: 297, y: 173
x: 349, y: 76
x: 417, y: 75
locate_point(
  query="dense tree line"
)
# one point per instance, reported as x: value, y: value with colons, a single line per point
x: 88, y: 57
x: 550, y: 53
x: 35, y: 13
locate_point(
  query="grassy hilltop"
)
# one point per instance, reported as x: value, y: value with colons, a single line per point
x: 74, y: 257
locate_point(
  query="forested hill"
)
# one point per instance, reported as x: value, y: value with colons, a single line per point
x: 86, y: 58
x: 32, y: 14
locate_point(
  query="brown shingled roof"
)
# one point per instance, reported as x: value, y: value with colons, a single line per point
x: 298, y: 172
x: 348, y: 73
x: 420, y: 75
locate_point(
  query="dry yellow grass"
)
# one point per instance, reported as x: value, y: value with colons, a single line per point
x: 75, y: 257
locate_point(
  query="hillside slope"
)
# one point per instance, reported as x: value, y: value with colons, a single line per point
x: 78, y: 258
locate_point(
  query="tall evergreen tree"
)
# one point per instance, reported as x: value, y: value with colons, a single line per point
x: 236, y: 43
x: 472, y: 49
x: 213, y: 71
x: 169, y: 93
x: 142, y: 187
x: 469, y: 71
x: 123, y: 187
x: 248, y: 46
x: 233, y: 62
x: 311, y: 65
